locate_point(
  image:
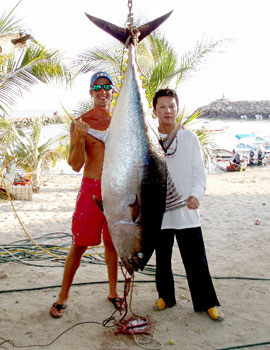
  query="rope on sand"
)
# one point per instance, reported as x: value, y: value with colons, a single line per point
x: 25, y: 252
x: 246, y: 346
x: 21, y: 223
x: 47, y: 251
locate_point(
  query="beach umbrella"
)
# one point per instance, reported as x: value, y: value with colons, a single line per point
x: 241, y: 136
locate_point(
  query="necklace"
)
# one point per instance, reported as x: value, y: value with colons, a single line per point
x: 167, y: 154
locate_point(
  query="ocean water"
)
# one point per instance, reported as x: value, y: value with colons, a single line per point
x: 222, y: 133
x: 223, y: 137
x: 51, y: 130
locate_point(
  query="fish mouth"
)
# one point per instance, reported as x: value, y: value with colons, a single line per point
x: 132, y: 263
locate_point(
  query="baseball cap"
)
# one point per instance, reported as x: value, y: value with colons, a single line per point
x: 100, y: 75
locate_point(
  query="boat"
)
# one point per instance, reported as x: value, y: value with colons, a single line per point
x: 267, y: 150
x: 227, y: 160
x: 223, y: 154
x: 245, y: 146
x: 252, y: 147
x: 237, y: 167
x: 215, y: 131
x: 230, y: 166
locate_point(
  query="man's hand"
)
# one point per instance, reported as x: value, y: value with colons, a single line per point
x: 193, y: 202
x: 81, y: 128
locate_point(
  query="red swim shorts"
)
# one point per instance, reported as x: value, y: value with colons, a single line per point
x: 88, y: 221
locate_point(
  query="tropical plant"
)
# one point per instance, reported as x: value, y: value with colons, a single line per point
x: 157, y: 60
x: 24, y: 147
x: 160, y: 68
x: 28, y: 65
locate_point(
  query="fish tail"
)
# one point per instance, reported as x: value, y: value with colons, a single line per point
x: 122, y: 34
x: 149, y: 27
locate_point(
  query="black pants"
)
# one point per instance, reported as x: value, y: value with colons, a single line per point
x: 191, y: 246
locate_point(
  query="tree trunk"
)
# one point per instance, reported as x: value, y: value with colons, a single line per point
x: 37, y: 180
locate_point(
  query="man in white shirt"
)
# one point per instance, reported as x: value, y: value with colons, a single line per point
x: 186, y: 169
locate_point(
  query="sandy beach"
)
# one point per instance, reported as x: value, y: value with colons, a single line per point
x: 235, y: 215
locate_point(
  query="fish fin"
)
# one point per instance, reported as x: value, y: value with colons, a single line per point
x: 174, y: 200
x: 99, y: 203
x: 149, y: 27
x: 118, y: 33
x: 122, y: 34
x: 135, y: 209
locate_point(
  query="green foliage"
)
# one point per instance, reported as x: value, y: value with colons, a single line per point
x: 27, y: 65
x: 8, y: 23
x: 102, y: 58
x: 160, y: 67
x: 157, y: 60
x: 163, y: 63
x: 25, y: 148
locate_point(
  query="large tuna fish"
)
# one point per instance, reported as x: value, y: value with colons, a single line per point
x: 134, y: 177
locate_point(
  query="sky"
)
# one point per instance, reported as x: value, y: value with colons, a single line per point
x: 240, y: 72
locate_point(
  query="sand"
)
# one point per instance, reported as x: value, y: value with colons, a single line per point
x: 238, y: 256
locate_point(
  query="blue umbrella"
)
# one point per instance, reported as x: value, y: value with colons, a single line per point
x: 241, y: 136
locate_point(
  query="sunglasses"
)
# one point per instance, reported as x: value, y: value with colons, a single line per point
x: 106, y: 87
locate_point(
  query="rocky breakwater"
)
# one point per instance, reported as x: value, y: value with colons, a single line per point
x: 224, y: 108
x: 45, y: 120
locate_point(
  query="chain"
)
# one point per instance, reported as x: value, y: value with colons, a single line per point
x: 134, y: 32
x: 130, y: 7
x: 129, y: 21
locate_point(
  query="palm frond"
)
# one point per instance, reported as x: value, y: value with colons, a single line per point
x: 159, y: 65
x: 8, y: 23
x: 16, y: 79
x: 82, y: 107
x: 23, y: 68
x: 100, y: 58
x: 46, y: 65
x: 34, y: 64
x: 193, y: 60
x: 24, y: 145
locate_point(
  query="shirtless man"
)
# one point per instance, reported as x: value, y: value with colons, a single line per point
x: 88, y: 221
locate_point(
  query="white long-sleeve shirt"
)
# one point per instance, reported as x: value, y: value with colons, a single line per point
x: 187, y: 171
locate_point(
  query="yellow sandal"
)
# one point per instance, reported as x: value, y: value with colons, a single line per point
x: 215, y: 314
x: 159, y: 305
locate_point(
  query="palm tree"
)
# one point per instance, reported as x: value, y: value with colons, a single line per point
x: 159, y: 65
x: 24, y: 148
x: 28, y: 65
x: 157, y: 60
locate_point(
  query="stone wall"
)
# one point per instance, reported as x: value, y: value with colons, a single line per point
x: 224, y: 108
